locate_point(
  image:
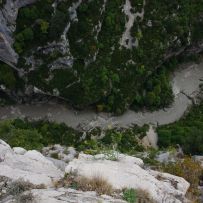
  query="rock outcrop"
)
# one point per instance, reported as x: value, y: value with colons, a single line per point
x: 37, y: 176
x: 8, y: 15
x: 127, y: 172
x: 31, y: 166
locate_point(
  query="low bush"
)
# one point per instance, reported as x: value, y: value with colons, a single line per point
x: 19, y: 186
x: 135, y: 196
x: 7, y: 76
x: 55, y: 155
x: 130, y: 195
x: 25, y: 198
x: 189, y: 169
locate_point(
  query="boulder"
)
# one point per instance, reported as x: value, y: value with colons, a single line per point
x: 31, y: 166
x: 19, y: 150
x: 127, y: 172
x: 59, y: 152
x: 199, y: 159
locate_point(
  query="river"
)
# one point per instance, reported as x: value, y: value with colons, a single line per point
x: 186, y: 78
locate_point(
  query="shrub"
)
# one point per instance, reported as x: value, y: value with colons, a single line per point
x: 25, y: 198
x: 111, y: 155
x: 35, y: 135
x: 7, y: 76
x: 135, y: 196
x: 26, y: 138
x: 187, y: 168
x: 144, y: 196
x: 55, y: 155
x: 18, y: 187
x: 130, y: 195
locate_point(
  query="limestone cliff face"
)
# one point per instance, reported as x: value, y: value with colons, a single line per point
x: 8, y: 15
x: 31, y: 168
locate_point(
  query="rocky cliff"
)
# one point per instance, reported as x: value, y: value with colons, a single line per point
x: 28, y: 176
x: 8, y: 14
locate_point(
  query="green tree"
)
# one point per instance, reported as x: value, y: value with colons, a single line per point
x: 28, y: 34
x: 150, y: 99
x: 44, y: 25
x: 7, y: 76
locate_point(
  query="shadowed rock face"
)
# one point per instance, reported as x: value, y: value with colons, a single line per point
x: 8, y: 15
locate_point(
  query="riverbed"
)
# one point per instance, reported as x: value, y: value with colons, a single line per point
x: 185, y: 82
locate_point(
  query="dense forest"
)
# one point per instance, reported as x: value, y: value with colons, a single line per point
x: 74, y: 49
x: 188, y: 132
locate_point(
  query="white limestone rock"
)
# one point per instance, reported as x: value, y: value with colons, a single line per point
x: 62, y: 153
x: 31, y: 166
x: 121, y: 158
x: 4, y: 147
x: 71, y: 196
x: 151, y: 138
x: 63, y: 195
x: 19, y: 150
x: 123, y: 172
x: 199, y: 159
x: 127, y: 172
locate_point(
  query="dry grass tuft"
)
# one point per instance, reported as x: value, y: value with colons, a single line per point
x: 25, y: 198
x: 144, y: 196
x: 96, y: 183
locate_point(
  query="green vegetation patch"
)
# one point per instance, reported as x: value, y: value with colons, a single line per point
x: 7, y: 76
x: 38, y: 24
x: 35, y: 135
x: 130, y: 195
x: 188, y: 132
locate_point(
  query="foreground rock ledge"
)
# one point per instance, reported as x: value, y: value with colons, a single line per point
x: 124, y: 172
x: 127, y: 172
